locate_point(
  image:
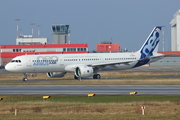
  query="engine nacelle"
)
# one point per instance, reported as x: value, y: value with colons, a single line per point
x: 83, y: 71
x: 55, y: 74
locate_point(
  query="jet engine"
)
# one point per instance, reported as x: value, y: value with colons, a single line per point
x: 55, y: 74
x: 83, y: 71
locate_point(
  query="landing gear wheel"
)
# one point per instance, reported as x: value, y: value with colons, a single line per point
x: 97, y: 76
x: 25, y: 77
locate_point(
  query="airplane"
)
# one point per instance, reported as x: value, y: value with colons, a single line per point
x: 87, y: 64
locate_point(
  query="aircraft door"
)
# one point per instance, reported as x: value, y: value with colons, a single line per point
x: 100, y: 59
x: 28, y: 62
x: 61, y: 61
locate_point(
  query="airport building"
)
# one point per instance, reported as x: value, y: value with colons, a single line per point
x: 29, y: 40
x: 7, y: 52
x: 107, y: 47
x: 175, y: 32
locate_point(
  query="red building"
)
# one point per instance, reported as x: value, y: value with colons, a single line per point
x: 107, y: 46
x: 7, y: 52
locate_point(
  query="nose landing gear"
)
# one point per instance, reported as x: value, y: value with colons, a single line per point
x: 30, y: 75
x: 25, y: 77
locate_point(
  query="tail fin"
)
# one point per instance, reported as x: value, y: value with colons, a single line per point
x: 151, y: 44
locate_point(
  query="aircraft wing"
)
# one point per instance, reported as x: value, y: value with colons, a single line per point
x: 100, y: 65
x: 153, y: 58
x: 160, y: 56
x: 114, y: 63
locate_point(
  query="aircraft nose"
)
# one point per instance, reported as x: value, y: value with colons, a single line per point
x: 8, y: 67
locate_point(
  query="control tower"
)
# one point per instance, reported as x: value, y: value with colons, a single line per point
x: 60, y: 34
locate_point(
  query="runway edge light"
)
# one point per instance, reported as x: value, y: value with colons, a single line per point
x: 91, y: 95
x: 133, y: 93
x: 46, y: 97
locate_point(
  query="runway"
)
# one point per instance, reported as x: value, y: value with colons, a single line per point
x: 96, y: 89
x: 89, y: 89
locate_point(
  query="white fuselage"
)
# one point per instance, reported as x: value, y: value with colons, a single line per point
x: 68, y: 62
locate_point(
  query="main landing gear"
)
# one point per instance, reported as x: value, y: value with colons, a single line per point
x: 97, y: 76
x: 25, y: 77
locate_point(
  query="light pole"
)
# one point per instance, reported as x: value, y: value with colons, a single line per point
x: 17, y: 33
x: 38, y: 30
x: 32, y: 24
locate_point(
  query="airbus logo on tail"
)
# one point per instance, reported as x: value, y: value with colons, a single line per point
x: 151, y: 43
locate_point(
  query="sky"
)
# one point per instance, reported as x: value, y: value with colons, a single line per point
x: 124, y: 22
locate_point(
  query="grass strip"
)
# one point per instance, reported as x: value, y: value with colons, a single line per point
x: 98, y: 107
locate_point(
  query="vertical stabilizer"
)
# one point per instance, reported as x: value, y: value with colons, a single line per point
x: 151, y: 44
x: 149, y: 47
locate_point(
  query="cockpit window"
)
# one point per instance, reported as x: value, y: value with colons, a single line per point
x: 16, y: 61
x: 13, y: 61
